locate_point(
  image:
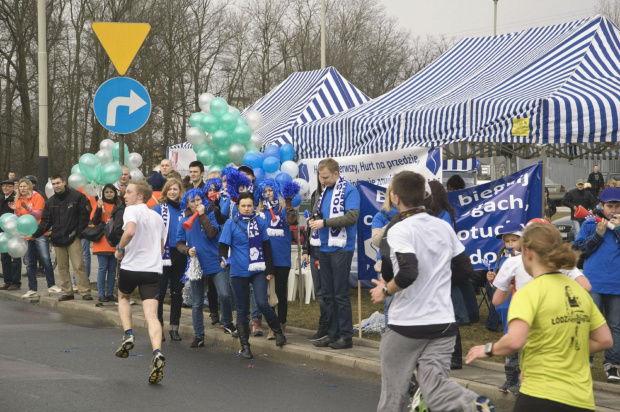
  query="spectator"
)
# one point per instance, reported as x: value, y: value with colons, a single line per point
x: 550, y: 208
x: 85, y: 242
x: 123, y: 180
x: 32, y: 203
x: 455, y: 182
x: 596, y: 181
x: 575, y: 198
x: 12, y: 176
x: 157, y: 181
x: 599, y: 244
x: 421, y: 333
x: 249, y: 173
x: 169, y: 208
x: 106, y: 274
x: 335, y: 229
x: 549, y: 346
x: 11, y: 267
x: 68, y: 211
x: 612, y: 183
x: 196, y: 175
x: 165, y: 167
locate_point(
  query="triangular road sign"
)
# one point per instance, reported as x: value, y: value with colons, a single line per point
x: 121, y: 41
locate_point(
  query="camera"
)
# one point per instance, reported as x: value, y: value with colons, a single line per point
x: 318, y: 215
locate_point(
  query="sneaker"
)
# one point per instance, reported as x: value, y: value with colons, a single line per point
x: 230, y: 329
x: 157, y: 368
x: 54, y: 289
x: 342, y: 344
x: 13, y: 286
x: 257, y: 330
x: 75, y: 288
x: 30, y: 294
x: 5, y: 286
x: 323, y: 342
x: 514, y: 389
x: 611, y: 371
x: 416, y: 402
x: 320, y: 333
x: 197, y: 343
x: 483, y: 404
x: 111, y: 298
x: 126, y: 346
x: 103, y: 299
x: 215, y: 318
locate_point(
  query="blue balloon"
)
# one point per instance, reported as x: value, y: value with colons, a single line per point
x: 282, y: 178
x: 287, y: 152
x: 259, y: 173
x: 253, y: 160
x: 271, y: 164
x: 272, y: 151
x: 296, y: 201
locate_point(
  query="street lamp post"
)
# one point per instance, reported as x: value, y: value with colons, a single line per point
x: 42, y: 44
x: 323, y: 63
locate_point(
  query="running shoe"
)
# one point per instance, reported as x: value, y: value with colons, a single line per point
x: 126, y: 346
x: 611, y: 371
x: 30, y: 294
x: 54, y: 289
x: 416, y: 401
x: 230, y: 329
x: 157, y: 368
x: 483, y: 404
x: 197, y: 343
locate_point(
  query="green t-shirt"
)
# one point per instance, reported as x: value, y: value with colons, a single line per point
x: 555, y: 359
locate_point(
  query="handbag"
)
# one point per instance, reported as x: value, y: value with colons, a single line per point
x: 93, y: 233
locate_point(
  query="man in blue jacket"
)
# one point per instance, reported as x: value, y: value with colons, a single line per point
x: 334, y: 225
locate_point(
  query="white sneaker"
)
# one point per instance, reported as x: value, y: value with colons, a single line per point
x: 75, y: 288
x: 30, y: 294
x: 55, y: 289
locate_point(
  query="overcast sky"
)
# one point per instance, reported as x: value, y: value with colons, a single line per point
x: 472, y: 18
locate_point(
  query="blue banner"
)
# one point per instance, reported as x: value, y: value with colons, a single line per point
x: 371, y: 200
x: 483, y: 210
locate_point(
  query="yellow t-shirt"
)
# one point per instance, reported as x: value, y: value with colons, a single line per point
x: 555, y: 358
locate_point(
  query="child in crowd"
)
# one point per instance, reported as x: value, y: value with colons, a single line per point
x: 600, y: 243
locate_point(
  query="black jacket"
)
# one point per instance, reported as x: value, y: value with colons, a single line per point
x: 4, y: 204
x: 576, y: 197
x: 67, y: 214
x: 597, y: 181
x: 313, y: 204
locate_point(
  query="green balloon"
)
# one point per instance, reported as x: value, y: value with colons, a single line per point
x: 209, y: 123
x: 222, y: 158
x: 110, y: 173
x: 195, y: 119
x: 4, y: 218
x: 206, y: 156
x: 76, y: 169
x: 115, y: 153
x: 251, y: 149
x: 241, y: 121
x: 241, y: 134
x: 4, y: 240
x: 221, y: 139
x: 218, y: 106
x: 27, y: 225
x: 88, y: 164
x: 197, y: 149
x: 215, y: 168
x: 228, y: 121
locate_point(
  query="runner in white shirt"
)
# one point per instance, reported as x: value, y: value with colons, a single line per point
x: 141, y: 249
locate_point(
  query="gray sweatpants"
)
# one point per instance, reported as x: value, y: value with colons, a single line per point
x: 399, y: 357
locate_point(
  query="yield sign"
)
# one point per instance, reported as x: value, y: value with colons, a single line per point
x: 121, y: 41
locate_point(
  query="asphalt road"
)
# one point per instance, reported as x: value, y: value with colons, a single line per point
x: 53, y: 362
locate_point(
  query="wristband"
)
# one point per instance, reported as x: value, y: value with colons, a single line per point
x: 119, y: 249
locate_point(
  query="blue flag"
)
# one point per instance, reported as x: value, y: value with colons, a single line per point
x: 371, y: 200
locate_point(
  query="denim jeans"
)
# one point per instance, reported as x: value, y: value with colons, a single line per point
x: 224, y: 292
x: 40, y: 244
x: 493, y: 319
x: 11, y: 270
x: 335, y: 270
x: 609, y: 305
x: 241, y: 288
x: 106, y: 272
x: 316, y: 280
x: 465, y: 303
x: 576, y: 228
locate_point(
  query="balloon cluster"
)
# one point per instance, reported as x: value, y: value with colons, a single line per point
x: 95, y: 170
x: 276, y: 163
x: 12, y: 239
x: 220, y: 136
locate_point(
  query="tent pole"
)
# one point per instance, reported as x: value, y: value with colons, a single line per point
x: 359, y: 306
x: 543, y: 153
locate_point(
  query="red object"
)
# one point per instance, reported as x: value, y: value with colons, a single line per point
x: 273, y: 216
x: 213, y: 195
x: 316, y: 264
x: 187, y: 225
x: 582, y: 213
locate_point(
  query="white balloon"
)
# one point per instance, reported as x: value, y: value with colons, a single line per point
x: 10, y: 227
x: 105, y: 156
x: 204, y: 100
x: 304, y: 188
x: 77, y: 181
x: 236, y: 152
x: 137, y: 175
x: 17, y: 246
x: 290, y: 168
x: 49, y: 190
x: 255, y: 140
x: 106, y: 144
x: 90, y: 190
x: 195, y: 136
x: 254, y: 119
x: 209, y: 140
x: 135, y: 160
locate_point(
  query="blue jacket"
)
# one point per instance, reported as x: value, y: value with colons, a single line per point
x: 602, y: 255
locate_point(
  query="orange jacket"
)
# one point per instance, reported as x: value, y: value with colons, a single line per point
x: 102, y: 218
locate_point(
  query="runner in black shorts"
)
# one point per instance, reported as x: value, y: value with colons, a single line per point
x: 140, y: 251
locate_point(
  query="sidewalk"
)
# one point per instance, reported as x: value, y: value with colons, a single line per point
x: 362, y: 360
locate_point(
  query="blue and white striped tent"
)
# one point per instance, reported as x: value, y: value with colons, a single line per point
x: 467, y: 165
x: 556, y: 85
x: 304, y: 97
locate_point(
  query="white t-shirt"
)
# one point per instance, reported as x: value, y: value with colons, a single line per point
x: 143, y: 253
x: 513, y: 269
x: 427, y: 300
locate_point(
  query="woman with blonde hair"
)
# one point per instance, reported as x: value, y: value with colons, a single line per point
x: 555, y: 324
x: 29, y: 202
x: 169, y: 208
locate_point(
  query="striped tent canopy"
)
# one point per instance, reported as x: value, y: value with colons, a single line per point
x: 555, y: 85
x: 301, y: 98
x: 467, y: 165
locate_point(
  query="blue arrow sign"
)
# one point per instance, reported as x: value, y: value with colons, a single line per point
x: 122, y: 105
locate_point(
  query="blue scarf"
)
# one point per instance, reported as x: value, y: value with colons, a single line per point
x: 255, y: 243
x: 165, y: 215
x: 276, y: 227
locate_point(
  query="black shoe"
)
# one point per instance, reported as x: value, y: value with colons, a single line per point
x: 456, y: 365
x: 215, y: 318
x: 342, y: 344
x: 103, y: 299
x: 198, y: 343
x: 174, y: 333
x: 183, y: 305
x: 163, y: 336
x: 111, y: 298
x: 65, y: 297
x: 230, y: 329
x: 323, y: 342
x: 5, y: 286
x: 244, y: 336
x: 320, y: 333
x: 87, y: 297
